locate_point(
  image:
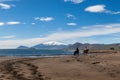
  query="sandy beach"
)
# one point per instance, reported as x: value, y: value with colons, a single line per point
x: 89, y: 67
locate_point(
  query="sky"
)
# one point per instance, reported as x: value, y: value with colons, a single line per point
x: 31, y: 22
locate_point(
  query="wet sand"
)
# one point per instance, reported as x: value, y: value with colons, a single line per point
x: 90, y: 67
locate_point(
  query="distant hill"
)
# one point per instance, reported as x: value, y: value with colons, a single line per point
x: 58, y: 45
x: 95, y: 46
x: 46, y: 45
x: 22, y: 47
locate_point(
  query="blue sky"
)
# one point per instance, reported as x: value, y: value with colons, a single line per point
x: 31, y: 22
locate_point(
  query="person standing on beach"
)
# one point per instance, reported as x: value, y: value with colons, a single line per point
x: 76, y: 52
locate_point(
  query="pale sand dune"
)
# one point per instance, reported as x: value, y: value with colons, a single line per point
x: 91, y: 67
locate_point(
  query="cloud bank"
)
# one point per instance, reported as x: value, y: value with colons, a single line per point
x: 8, y: 37
x: 94, y: 30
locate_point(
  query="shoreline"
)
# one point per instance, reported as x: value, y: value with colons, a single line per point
x: 49, y: 56
x: 37, y: 56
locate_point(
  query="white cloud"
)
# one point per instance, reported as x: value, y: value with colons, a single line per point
x: 100, y: 9
x: 94, y: 30
x: 33, y: 23
x: 71, y: 16
x: 5, y: 6
x: 74, y: 1
x: 2, y: 23
x: 7, y: 0
x: 44, y: 19
x: 96, y: 8
x: 13, y: 23
x: 8, y: 37
x: 71, y: 24
x: 112, y: 12
x: 10, y: 23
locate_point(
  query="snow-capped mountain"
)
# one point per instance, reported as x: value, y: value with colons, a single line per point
x: 50, y: 45
x: 53, y: 43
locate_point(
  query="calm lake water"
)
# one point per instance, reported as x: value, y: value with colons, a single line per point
x: 30, y: 52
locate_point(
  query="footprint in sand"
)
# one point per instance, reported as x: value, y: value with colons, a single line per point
x: 19, y: 70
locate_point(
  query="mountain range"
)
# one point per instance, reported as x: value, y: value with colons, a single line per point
x: 58, y: 45
x: 46, y: 45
